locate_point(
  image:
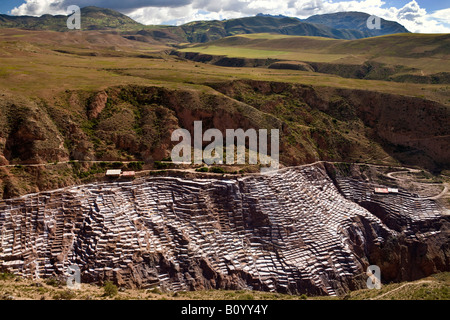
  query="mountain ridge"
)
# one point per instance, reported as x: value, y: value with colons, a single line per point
x: 93, y: 18
x: 335, y: 26
x: 357, y: 21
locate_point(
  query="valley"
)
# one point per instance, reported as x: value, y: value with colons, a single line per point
x: 355, y: 112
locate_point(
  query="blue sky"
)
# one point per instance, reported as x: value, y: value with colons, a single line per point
x: 430, y: 16
x: 8, y: 5
x: 429, y: 5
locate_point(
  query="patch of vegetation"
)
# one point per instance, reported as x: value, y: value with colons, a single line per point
x: 344, y: 168
x: 7, y: 276
x: 110, y: 289
x: 247, y: 296
x: 136, y: 166
x: 117, y: 165
x: 84, y: 172
x: 155, y: 291
x: 52, y: 282
x: 64, y: 295
x: 161, y: 165
x: 216, y: 170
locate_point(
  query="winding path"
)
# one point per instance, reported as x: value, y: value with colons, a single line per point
x: 440, y: 195
x: 402, y: 286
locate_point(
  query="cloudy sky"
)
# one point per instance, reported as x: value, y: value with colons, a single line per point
x: 430, y: 16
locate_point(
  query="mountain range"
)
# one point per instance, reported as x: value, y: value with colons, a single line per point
x: 343, y: 25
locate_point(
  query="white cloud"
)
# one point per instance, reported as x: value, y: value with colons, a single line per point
x: 411, y: 15
x: 305, y: 9
x: 411, y: 11
x: 440, y: 20
x: 442, y: 15
x: 39, y: 7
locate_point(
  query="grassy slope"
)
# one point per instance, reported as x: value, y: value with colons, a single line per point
x: 436, y: 287
x: 427, y: 52
x: 93, y: 18
x: 26, y: 59
x: 31, y: 66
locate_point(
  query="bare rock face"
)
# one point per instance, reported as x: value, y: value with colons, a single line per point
x: 97, y: 104
x: 31, y: 136
x: 3, y: 161
x: 421, y: 245
x: 291, y: 232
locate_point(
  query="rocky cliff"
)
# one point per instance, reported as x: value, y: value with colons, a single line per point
x: 299, y: 231
x: 135, y: 123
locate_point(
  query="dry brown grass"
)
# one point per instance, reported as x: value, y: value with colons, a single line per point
x: 436, y: 287
x: 29, y: 65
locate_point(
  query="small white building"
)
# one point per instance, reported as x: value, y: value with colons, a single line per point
x: 386, y: 190
x: 114, y: 173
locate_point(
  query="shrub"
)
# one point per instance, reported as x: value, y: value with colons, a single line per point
x: 247, y: 296
x: 347, y: 297
x: 52, y: 282
x: 6, y: 276
x: 204, y: 169
x: 136, y: 166
x: 110, y: 289
x: 117, y: 165
x: 155, y: 291
x: 160, y: 165
x: 64, y: 295
x: 217, y: 170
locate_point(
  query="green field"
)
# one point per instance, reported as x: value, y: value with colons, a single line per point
x: 238, y: 52
x: 426, y: 52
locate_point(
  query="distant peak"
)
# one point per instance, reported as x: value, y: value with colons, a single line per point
x: 270, y: 15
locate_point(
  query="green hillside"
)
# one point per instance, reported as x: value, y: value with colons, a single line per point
x: 406, y: 57
x: 356, y: 21
x: 93, y: 18
x: 399, y: 45
x: 205, y: 31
